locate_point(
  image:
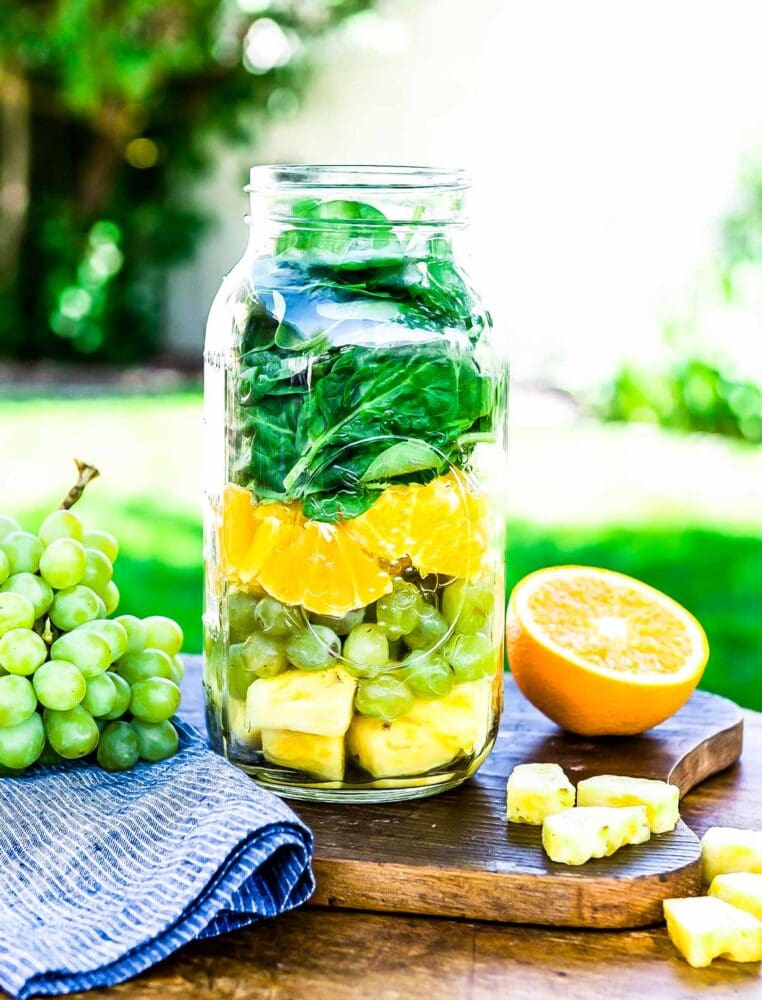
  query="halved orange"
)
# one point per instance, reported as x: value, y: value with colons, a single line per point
x: 600, y: 653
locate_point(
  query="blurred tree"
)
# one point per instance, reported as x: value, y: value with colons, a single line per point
x: 711, y: 380
x: 107, y: 109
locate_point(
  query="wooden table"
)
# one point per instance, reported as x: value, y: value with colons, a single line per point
x: 316, y: 953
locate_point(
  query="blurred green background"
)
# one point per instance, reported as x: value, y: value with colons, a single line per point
x: 637, y: 415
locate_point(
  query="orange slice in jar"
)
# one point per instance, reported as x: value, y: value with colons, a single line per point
x: 439, y: 525
x: 323, y: 569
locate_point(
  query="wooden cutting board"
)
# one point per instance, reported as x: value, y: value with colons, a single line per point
x: 455, y: 854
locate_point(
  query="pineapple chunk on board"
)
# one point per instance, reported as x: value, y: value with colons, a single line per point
x: 741, y: 889
x: 320, y: 703
x: 430, y: 735
x: 661, y: 800
x: 725, y: 849
x: 535, y: 791
x: 703, y: 928
x: 576, y: 835
x: 321, y: 756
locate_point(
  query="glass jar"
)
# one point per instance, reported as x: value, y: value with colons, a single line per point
x: 355, y: 424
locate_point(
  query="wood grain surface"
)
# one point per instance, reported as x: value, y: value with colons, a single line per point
x: 336, y: 955
x: 455, y: 855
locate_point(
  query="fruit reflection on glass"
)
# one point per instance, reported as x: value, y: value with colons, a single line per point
x: 72, y: 681
x: 354, y: 534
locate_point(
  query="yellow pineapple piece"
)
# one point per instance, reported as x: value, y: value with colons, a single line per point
x: 317, y: 702
x: 536, y: 791
x: 321, y: 756
x: 725, y: 849
x: 661, y: 800
x: 740, y: 889
x: 703, y: 928
x: 574, y: 836
x: 430, y: 735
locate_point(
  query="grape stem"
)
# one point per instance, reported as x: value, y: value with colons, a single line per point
x: 86, y: 473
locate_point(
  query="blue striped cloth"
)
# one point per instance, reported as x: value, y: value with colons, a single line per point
x: 102, y: 875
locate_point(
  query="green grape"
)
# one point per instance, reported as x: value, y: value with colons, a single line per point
x: 156, y: 740
x: 61, y: 524
x: 59, y: 685
x: 22, y: 651
x: 21, y: 745
x: 16, y: 611
x: 398, y: 613
x: 263, y: 655
x: 276, y: 619
x: 367, y: 649
x: 5, y: 567
x: 8, y: 525
x: 383, y: 697
x: 118, y: 747
x: 137, y: 634
x: 470, y: 606
x: 343, y: 625
x: 98, y: 571
x: 239, y: 677
x: 470, y: 656
x: 111, y: 598
x: 241, y: 607
x: 100, y: 697
x: 23, y: 550
x: 114, y: 634
x: 87, y: 650
x: 104, y: 542
x: 428, y: 675
x: 17, y: 700
x: 163, y: 633
x: 63, y: 563
x: 32, y: 586
x: 122, y: 696
x: 430, y: 630
x: 49, y: 757
x: 178, y: 669
x: 136, y: 667
x: 155, y: 700
x: 313, y: 649
x: 72, y: 734
x: 73, y: 607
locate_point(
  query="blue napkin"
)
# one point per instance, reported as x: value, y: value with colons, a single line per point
x: 102, y: 875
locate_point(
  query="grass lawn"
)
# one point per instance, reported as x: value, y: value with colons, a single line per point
x: 680, y: 513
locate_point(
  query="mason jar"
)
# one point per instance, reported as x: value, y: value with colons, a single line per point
x: 355, y: 424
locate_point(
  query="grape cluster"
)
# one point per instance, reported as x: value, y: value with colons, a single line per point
x: 410, y: 644
x: 73, y: 681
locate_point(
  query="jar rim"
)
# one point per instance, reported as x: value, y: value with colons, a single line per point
x: 337, y: 176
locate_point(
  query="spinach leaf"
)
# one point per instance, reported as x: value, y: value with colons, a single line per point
x: 401, y: 459
x: 266, y: 444
x: 425, y: 391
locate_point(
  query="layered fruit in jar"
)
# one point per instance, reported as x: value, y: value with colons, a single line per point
x: 355, y: 551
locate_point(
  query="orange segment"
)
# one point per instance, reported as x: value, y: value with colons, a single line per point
x: 440, y: 526
x: 324, y: 570
x: 601, y: 653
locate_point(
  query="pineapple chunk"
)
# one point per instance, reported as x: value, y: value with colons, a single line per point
x: 319, y: 703
x: 660, y: 799
x: 574, y: 836
x: 536, y: 791
x: 725, y: 849
x: 741, y: 890
x: 430, y: 735
x: 322, y: 756
x: 703, y: 928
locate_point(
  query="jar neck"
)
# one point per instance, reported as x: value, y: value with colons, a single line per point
x: 414, y: 206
